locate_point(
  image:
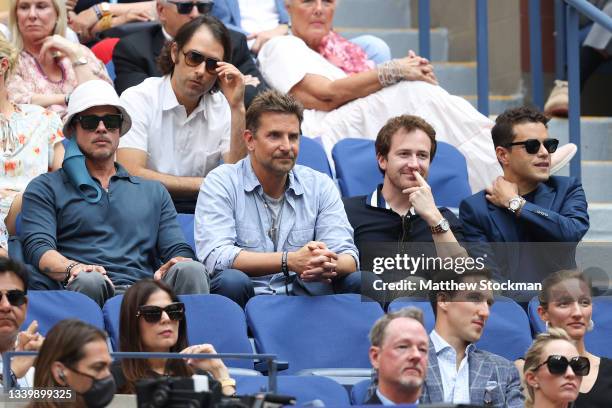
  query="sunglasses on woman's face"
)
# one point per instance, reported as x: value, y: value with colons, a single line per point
x: 15, y: 297
x: 532, y: 146
x: 91, y: 122
x: 185, y: 7
x: 557, y: 365
x: 194, y: 59
x: 153, y: 314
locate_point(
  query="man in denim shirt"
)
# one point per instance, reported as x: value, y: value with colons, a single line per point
x: 265, y: 225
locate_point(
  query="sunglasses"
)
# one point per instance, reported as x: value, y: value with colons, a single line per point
x: 153, y: 314
x: 15, y: 297
x: 90, y: 122
x: 557, y: 365
x: 532, y: 146
x: 185, y: 7
x: 194, y: 59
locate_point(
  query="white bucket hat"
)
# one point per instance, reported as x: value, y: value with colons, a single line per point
x: 95, y: 93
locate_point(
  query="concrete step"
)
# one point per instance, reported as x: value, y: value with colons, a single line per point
x: 458, y: 78
x: 595, y: 135
x: 373, y: 13
x: 498, y: 103
x: 600, y: 217
x: 401, y: 40
x: 596, y: 180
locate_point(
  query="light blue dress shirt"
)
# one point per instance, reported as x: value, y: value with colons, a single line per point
x: 231, y: 216
x: 455, y: 383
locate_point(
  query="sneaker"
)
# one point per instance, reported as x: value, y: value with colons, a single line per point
x: 562, y: 157
x: 558, y: 101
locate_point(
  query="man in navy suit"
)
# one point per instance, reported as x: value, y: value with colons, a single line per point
x: 526, y: 205
x: 458, y: 371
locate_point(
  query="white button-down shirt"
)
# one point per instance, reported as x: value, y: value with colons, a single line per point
x: 455, y: 383
x: 176, y: 144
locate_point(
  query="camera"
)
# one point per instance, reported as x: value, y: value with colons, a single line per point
x: 175, y: 392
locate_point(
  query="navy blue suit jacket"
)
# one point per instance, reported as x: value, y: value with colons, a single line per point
x: 557, y: 214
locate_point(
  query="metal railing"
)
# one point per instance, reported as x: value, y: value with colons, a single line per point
x: 567, y: 45
x: 270, y: 359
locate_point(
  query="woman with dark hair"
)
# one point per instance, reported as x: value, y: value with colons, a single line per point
x: 153, y: 320
x: 566, y: 302
x: 75, y: 355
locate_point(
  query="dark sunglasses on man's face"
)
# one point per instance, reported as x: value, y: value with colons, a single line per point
x: 532, y: 146
x: 91, y: 122
x: 15, y: 297
x: 194, y: 59
x: 185, y: 7
x: 557, y: 365
x: 153, y: 314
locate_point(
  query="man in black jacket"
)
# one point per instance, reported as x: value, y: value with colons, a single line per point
x: 135, y: 56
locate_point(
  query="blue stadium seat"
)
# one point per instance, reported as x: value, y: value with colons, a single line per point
x: 358, y: 174
x: 186, y: 223
x: 312, y: 332
x: 49, y: 307
x: 596, y: 341
x: 424, y: 305
x: 211, y: 319
x: 359, y: 392
x: 506, y: 333
x: 304, y: 388
x: 110, y: 68
x: 313, y: 155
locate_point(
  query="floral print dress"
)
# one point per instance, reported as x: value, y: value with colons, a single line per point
x: 26, y: 151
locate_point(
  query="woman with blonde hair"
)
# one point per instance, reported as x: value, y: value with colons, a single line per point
x: 50, y: 66
x: 566, y: 302
x: 553, y: 371
x: 29, y: 144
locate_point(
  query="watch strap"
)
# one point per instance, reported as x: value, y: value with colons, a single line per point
x: 284, y: 264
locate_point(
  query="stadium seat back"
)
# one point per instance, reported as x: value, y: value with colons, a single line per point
x: 313, y: 332
x: 186, y: 223
x: 424, y: 305
x: 49, y: 307
x: 359, y: 392
x: 313, y: 155
x: 211, y: 319
x: 304, y: 388
x: 358, y: 174
x: 596, y: 341
x: 507, y: 331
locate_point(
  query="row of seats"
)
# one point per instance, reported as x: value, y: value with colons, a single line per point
x: 322, y: 332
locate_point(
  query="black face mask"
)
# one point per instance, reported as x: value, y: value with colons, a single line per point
x: 101, y: 392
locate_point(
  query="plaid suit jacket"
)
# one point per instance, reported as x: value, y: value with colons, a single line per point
x: 494, y: 381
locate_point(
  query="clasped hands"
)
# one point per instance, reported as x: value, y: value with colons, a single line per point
x: 314, y: 262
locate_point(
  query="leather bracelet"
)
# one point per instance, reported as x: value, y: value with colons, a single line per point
x: 284, y: 265
x: 68, y: 270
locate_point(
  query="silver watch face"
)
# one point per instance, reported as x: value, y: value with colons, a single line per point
x: 444, y: 225
x: 515, y: 203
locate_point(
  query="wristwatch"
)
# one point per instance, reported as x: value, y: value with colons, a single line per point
x: 441, y: 227
x: 227, y: 382
x: 515, y: 204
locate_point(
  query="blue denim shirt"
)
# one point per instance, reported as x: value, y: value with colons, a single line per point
x: 230, y: 216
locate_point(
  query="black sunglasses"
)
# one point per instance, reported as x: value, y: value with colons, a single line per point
x: 153, y: 314
x: 185, y: 7
x: 15, y: 297
x: 90, y: 122
x: 532, y: 146
x: 194, y: 59
x: 557, y: 365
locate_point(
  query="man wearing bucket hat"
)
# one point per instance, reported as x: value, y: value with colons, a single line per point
x: 93, y: 228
